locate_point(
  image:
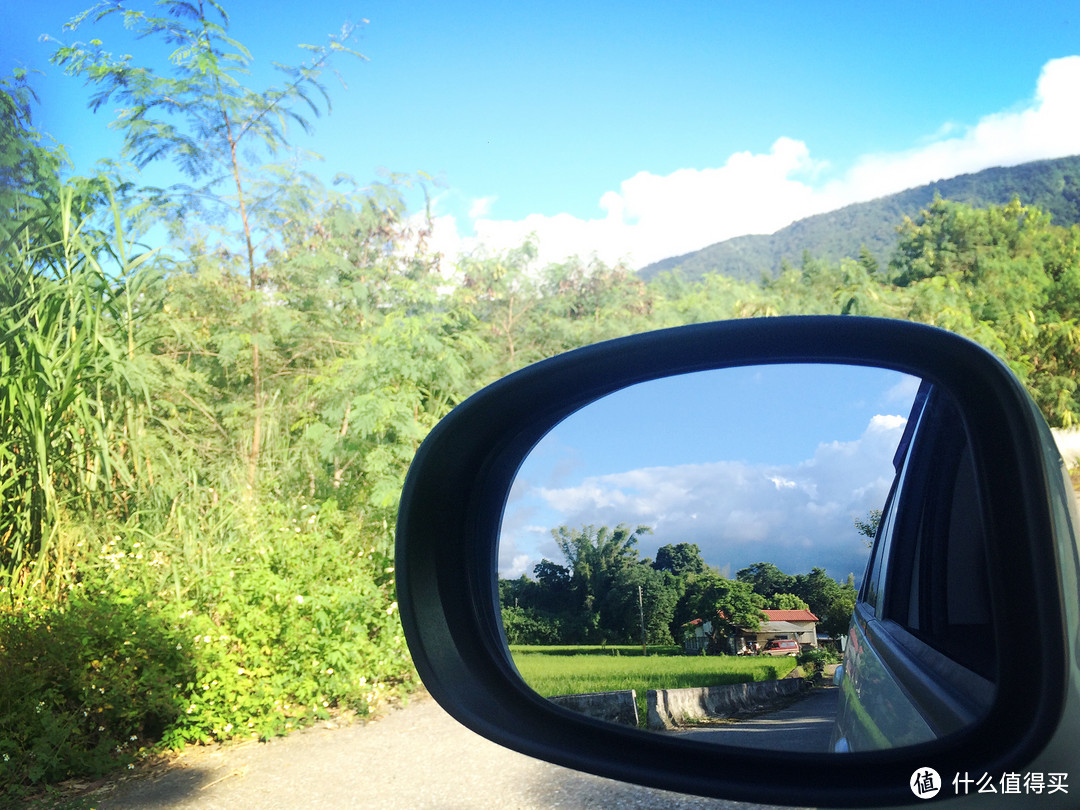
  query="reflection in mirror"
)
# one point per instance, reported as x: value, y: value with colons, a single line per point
x: 686, y: 555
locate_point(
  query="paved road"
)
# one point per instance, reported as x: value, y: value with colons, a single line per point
x: 805, y: 725
x: 416, y: 757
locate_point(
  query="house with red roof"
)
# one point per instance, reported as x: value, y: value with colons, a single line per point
x: 797, y: 625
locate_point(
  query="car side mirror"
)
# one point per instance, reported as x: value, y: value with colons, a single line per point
x: 454, y: 503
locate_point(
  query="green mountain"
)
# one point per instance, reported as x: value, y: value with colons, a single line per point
x: 1053, y: 185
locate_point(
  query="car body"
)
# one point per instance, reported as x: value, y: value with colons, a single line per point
x: 920, y: 659
x: 1018, y: 500
x: 779, y: 646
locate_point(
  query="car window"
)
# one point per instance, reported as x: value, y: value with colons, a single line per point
x: 876, y: 568
x: 922, y: 659
x: 878, y: 565
x: 928, y: 570
x: 937, y: 550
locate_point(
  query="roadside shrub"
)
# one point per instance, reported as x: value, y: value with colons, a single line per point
x: 85, y: 685
x: 301, y: 628
x: 289, y: 614
x: 814, y: 661
x: 235, y: 624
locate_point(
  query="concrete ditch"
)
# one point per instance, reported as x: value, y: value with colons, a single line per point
x: 614, y: 707
x: 671, y: 708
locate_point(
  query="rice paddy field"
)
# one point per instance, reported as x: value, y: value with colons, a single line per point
x: 575, y: 670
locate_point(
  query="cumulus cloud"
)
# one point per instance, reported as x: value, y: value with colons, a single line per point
x: 655, y: 216
x: 797, y: 516
x: 480, y: 207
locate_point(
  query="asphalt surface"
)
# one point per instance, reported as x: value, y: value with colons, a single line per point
x: 415, y: 757
x: 805, y: 725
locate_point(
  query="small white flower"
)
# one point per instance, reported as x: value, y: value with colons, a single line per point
x: 299, y: 599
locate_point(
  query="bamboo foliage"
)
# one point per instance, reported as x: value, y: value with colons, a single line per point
x: 65, y: 381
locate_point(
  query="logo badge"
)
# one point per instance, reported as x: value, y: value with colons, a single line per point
x: 925, y: 783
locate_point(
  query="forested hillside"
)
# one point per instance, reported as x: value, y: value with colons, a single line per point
x: 202, y: 441
x: 870, y: 227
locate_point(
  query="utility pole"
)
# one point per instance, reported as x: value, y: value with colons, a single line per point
x: 641, y: 613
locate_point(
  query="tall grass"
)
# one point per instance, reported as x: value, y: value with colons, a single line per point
x: 65, y: 375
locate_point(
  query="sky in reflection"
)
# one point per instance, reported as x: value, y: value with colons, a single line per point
x: 764, y: 463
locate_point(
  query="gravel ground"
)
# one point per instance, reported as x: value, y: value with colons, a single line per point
x: 415, y: 757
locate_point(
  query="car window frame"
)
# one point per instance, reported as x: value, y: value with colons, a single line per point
x: 949, y: 695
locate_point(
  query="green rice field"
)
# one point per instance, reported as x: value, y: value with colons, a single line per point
x: 575, y: 670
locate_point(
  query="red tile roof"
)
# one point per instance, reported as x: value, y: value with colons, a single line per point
x: 790, y: 616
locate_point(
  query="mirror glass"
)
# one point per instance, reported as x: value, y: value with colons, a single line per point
x: 686, y: 554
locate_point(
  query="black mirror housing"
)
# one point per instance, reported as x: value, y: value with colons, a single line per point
x: 453, y: 501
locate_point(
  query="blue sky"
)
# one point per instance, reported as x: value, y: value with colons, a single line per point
x: 767, y: 463
x: 636, y: 131
x: 641, y: 131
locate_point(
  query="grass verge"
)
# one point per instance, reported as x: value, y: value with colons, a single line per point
x: 554, y: 671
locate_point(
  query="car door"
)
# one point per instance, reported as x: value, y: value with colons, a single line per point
x: 920, y: 658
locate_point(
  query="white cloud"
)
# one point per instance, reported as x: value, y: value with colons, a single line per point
x: 481, y: 207
x: 1048, y: 127
x: 904, y: 391
x: 655, y: 216
x: 520, y: 566
x: 782, y: 483
x: 796, y: 516
x: 886, y: 422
